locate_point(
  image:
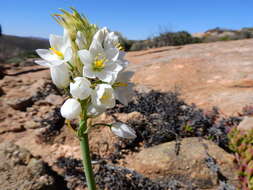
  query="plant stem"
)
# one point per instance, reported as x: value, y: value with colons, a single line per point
x: 84, y: 143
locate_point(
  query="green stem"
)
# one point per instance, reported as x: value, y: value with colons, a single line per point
x: 84, y: 143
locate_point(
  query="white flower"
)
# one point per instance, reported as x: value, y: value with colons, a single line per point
x: 123, y: 130
x: 100, y: 63
x: 80, y: 88
x: 123, y: 88
x: 103, y: 96
x: 121, y: 61
x: 111, y: 40
x: 106, y: 38
x: 71, y: 109
x: 80, y: 40
x: 60, y: 51
x: 60, y: 75
x: 55, y: 58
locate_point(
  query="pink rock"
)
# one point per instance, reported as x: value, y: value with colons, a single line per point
x: 246, y: 124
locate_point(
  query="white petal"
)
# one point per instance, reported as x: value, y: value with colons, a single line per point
x: 46, y: 54
x: 123, y: 63
x: 110, y: 72
x: 98, y: 94
x: 80, y: 40
x: 112, y: 53
x: 56, y: 41
x: 111, y: 40
x: 80, y: 88
x: 121, y: 55
x: 43, y: 63
x: 60, y: 75
x: 123, y: 130
x: 100, y: 34
x: 125, y: 76
x: 96, y: 48
x: 94, y: 110
x: 88, y: 72
x: 85, y: 57
x: 105, y: 76
x: 67, y: 54
x: 71, y: 109
x: 57, y: 62
x: 125, y: 93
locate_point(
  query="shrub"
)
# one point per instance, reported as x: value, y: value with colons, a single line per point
x: 165, y: 39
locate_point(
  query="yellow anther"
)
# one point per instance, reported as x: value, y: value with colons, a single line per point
x: 120, y: 47
x: 120, y: 84
x: 99, y: 64
x: 57, y: 52
x: 105, y: 96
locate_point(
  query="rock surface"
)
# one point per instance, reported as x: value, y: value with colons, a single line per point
x: 246, y: 124
x: 20, y: 170
x: 211, y: 74
x: 161, y: 162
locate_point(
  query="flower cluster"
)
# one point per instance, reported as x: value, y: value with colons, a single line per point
x: 88, y: 62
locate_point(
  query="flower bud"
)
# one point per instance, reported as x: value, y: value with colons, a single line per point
x: 71, y: 109
x: 80, y: 40
x: 80, y: 88
x: 60, y: 75
x: 123, y: 130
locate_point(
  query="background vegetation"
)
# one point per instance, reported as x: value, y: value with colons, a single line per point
x: 183, y: 38
x: 13, y: 46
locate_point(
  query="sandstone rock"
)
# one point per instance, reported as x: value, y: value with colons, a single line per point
x: 161, y: 162
x: 1, y: 72
x: 1, y: 92
x: 246, y: 124
x: 54, y: 99
x: 21, y: 96
x: 142, y: 88
x: 207, y: 74
x: 129, y: 116
x: 20, y: 170
x: 124, y: 117
x: 30, y: 124
x: 20, y: 104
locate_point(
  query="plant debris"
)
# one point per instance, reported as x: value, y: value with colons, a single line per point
x: 112, y: 177
x: 169, y: 118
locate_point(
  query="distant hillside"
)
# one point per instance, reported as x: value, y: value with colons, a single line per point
x: 184, y: 37
x: 222, y: 34
x: 11, y: 46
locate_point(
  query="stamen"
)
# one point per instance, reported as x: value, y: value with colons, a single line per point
x: 105, y: 97
x: 99, y: 64
x: 120, y: 84
x: 57, y: 52
x: 120, y: 47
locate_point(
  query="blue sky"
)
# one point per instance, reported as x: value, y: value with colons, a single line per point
x: 135, y: 19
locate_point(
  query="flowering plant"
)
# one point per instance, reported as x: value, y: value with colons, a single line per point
x: 88, y: 62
